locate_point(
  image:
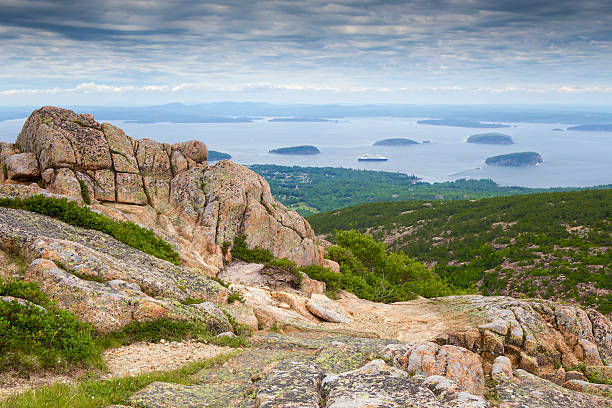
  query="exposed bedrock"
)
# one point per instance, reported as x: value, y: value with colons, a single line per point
x: 168, y: 188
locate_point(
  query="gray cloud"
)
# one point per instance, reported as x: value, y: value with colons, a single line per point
x: 369, y: 43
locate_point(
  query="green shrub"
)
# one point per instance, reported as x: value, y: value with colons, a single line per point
x: 233, y: 296
x: 24, y: 290
x: 34, y: 337
x: 167, y: 329
x: 71, y: 213
x: 367, y: 269
x: 240, y: 250
x: 85, y: 192
x: 386, y: 276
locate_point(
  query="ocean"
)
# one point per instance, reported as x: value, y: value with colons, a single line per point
x: 571, y: 158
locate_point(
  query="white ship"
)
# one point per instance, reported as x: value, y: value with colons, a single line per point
x: 372, y: 157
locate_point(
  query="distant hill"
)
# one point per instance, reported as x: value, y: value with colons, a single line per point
x: 592, y: 128
x: 395, y: 142
x: 296, y: 150
x: 549, y: 245
x: 490, y: 138
x: 461, y: 123
x: 216, y: 156
x: 515, y: 159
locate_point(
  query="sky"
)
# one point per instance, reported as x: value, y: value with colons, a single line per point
x: 144, y: 52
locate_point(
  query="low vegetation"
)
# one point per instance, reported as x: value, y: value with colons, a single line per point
x: 553, y: 245
x: 367, y: 270
x: 310, y: 190
x: 38, y: 335
x: 101, y: 393
x: 72, y: 213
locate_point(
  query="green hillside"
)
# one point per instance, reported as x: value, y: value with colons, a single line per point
x: 549, y: 245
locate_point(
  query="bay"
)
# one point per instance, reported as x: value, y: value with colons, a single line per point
x: 571, y: 158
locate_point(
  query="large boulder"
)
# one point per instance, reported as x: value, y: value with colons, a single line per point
x: 458, y: 364
x: 326, y: 309
x: 228, y: 200
x: 197, y: 208
x: 22, y: 167
x: 62, y: 138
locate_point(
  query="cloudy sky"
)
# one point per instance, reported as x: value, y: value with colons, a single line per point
x: 130, y: 52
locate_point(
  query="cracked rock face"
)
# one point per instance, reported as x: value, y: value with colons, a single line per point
x: 103, y: 281
x: 536, y: 335
x: 429, y: 359
x: 195, y: 207
x: 527, y: 390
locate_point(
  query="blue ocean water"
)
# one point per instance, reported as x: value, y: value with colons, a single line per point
x: 570, y: 158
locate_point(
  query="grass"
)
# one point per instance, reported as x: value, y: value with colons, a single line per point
x: 72, y: 213
x: 52, y: 339
x: 99, y: 393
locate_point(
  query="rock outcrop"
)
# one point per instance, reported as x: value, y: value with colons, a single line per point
x: 103, y: 281
x: 455, y: 363
x: 168, y: 188
x: 536, y: 335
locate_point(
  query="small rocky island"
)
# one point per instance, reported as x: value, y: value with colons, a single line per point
x: 216, y: 156
x: 490, y: 138
x: 396, y: 142
x: 296, y: 150
x: 516, y: 159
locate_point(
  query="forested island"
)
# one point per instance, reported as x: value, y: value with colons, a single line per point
x: 592, y: 128
x: 461, y: 123
x: 396, y: 142
x: 296, y: 150
x: 490, y: 138
x: 216, y: 156
x: 516, y: 159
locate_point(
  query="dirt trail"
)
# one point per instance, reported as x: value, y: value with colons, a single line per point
x: 416, y: 321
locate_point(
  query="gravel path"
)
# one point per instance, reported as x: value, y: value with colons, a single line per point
x: 141, y: 358
x: 125, y: 361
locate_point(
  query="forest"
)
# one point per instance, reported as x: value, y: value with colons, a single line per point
x: 548, y: 245
x: 310, y: 190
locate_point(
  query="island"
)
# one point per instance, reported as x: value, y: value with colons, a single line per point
x: 298, y: 120
x: 216, y: 156
x: 490, y: 138
x: 461, y: 123
x: 296, y: 150
x: 396, y: 142
x: 592, y: 128
x: 557, y: 130
x: 516, y: 159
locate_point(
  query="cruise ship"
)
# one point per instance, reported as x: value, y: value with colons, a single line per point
x: 372, y: 157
